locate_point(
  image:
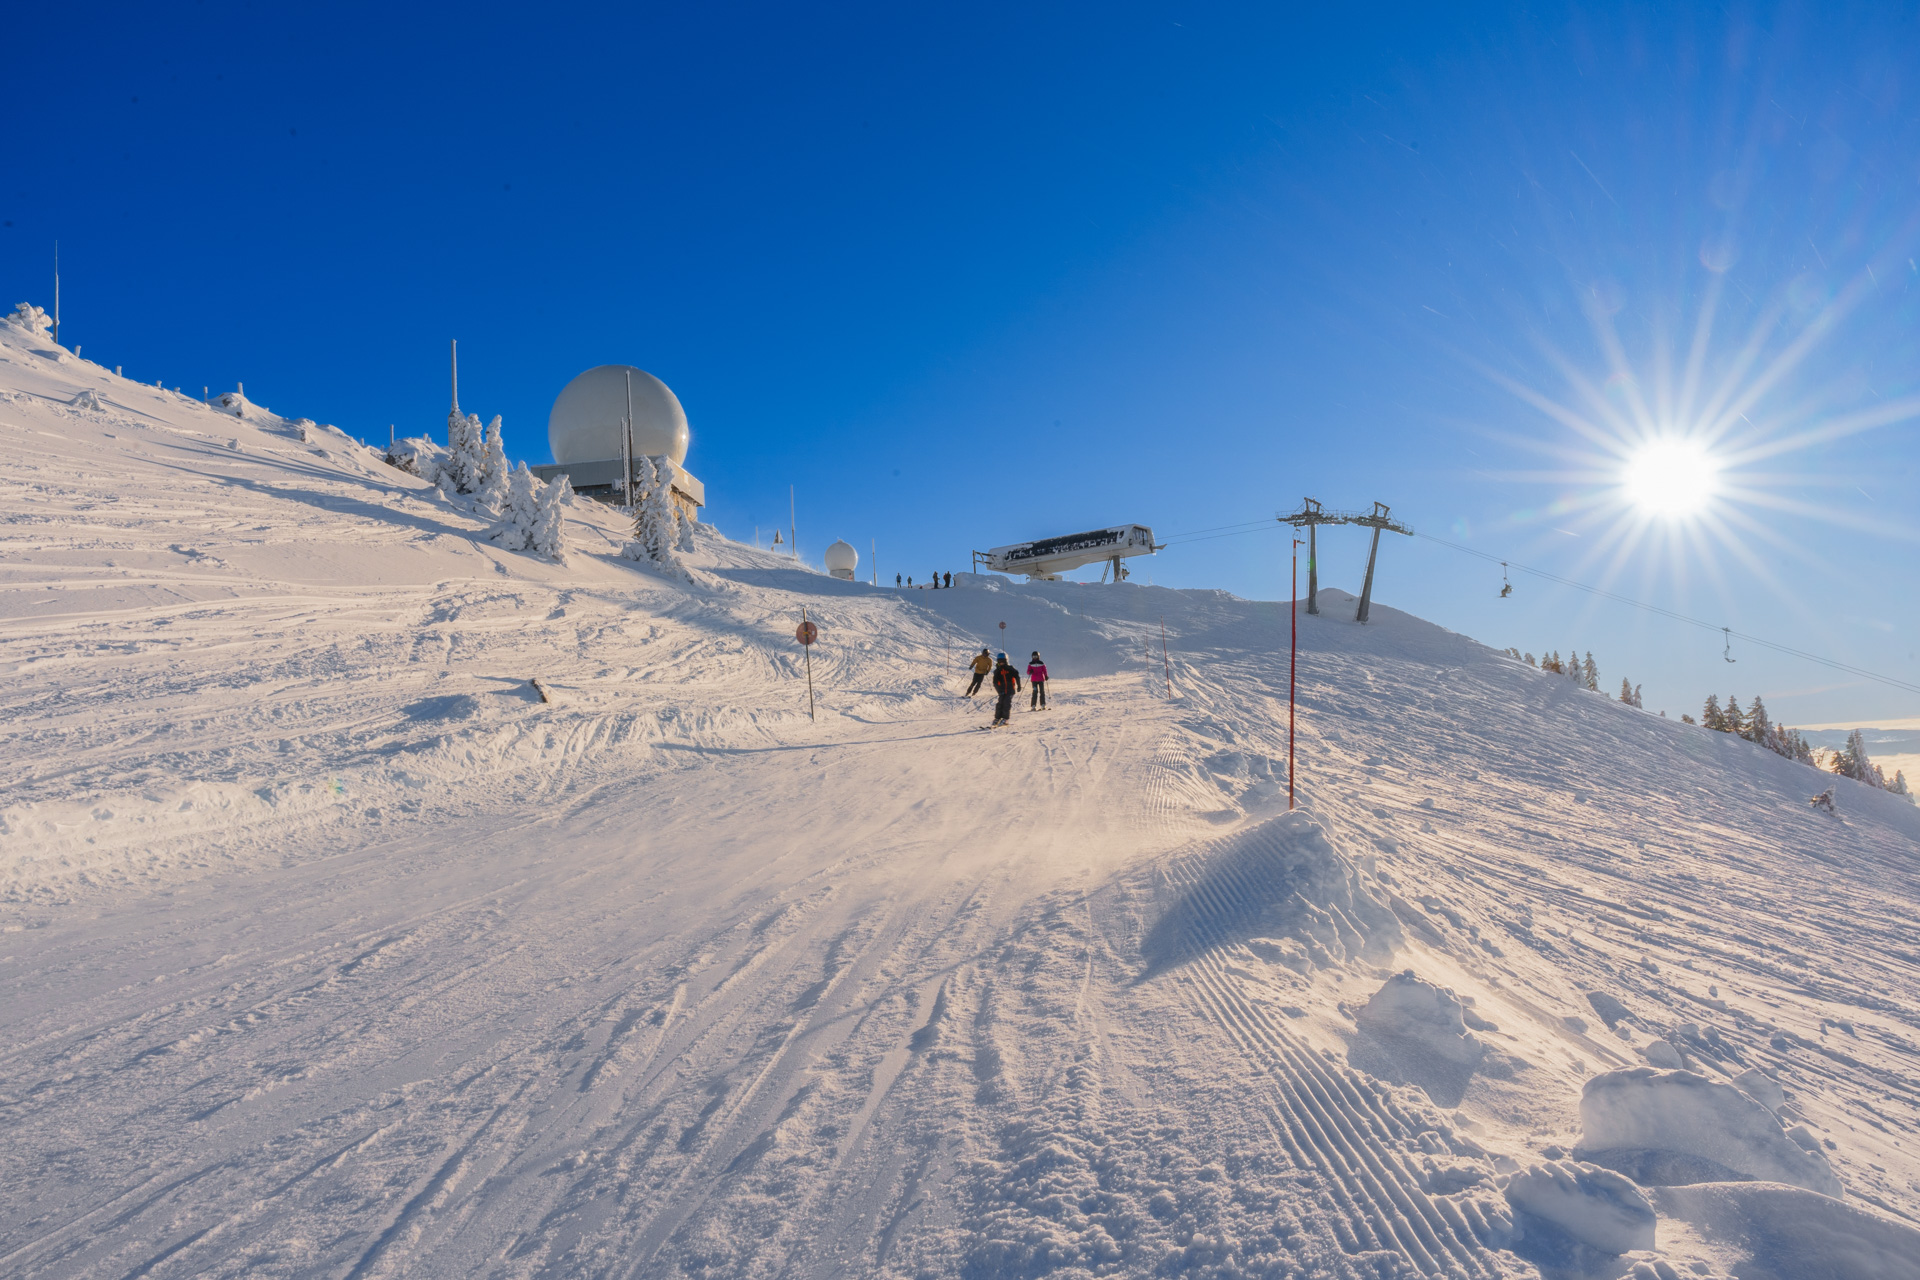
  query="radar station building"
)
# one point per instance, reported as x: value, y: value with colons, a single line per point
x: 608, y: 414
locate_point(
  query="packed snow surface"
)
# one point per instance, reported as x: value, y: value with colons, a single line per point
x: 333, y: 946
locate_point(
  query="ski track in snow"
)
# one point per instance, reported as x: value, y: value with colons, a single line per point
x: 331, y: 950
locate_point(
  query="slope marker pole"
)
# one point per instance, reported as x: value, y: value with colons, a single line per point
x: 1293, y: 657
x: 806, y: 645
x: 1165, y: 661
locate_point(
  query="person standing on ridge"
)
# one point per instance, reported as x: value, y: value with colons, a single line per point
x: 981, y: 665
x: 1006, y: 683
x: 949, y: 579
x: 936, y: 582
x: 896, y: 579
x: 1037, y: 678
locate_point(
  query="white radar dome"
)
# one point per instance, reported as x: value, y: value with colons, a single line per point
x: 586, y: 422
x: 842, y: 559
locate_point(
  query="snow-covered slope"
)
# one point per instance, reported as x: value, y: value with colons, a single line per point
x: 332, y: 950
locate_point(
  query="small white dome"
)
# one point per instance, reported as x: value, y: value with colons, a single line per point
x: 585, y: 425
x: 842, y: 559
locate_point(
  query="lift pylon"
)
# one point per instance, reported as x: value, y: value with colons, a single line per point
x: 1376, y: 521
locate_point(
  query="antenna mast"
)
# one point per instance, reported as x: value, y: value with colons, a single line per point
x: 56, y: 293
x: 456, y: 376
x: 626, y: 444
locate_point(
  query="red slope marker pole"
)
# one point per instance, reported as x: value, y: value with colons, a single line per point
x: 1164, y: 660
x: 1293, y: 661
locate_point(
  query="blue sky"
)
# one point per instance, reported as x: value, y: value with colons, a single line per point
x: 970, y: 277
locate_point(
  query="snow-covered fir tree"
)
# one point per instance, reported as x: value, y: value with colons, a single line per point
x: 1711, y: 716
x: 1758, y: 727
x: 1626, y: 691
x: 1590, y: 674
x: 491, y: 491
x: 1733, y: 720
x: 657, y: 534
x: 465, y: 463
x: 520, y: 512
x: 549, y: 537
x: 31, y: 318
x: 1530, y: 662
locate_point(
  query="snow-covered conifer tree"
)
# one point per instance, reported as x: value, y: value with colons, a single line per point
x: 1637, y: 702
x: 491, y: 491
x: 1529, y: 660
x: 465, y: 463
x: 659, y: 530
x: 1758, y: 727
x: 1899, y: 784
x: 1734, y: 720
x: 1626, y: 691
x: 31, y: 318
x: 549, y: 537
x: 520, y: 512
x: 1710, y: 715
x: 1591, y: 674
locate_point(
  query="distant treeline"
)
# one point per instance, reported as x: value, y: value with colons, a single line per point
x: 1753, y: 723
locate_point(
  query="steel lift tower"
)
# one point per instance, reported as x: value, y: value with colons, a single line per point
x: 1312, y: 515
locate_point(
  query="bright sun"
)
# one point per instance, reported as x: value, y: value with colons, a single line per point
x: 1670, y: 477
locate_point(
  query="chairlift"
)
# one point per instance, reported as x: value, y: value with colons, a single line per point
x: 1727, y: 651
x: 1506, y: 587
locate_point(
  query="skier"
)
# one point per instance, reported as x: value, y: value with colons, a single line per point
x: 1037, y: 678
x: 981, y: 665
x: 1006, y: 683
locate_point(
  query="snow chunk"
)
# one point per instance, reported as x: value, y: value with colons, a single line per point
x: 1595, y: 1206
x: 1643, y: 1110
x: 87, y: 399
x: 1663, y: 1055
x: 1415, y: 1009
x: 1785, y: 1231
x: 1761, y: 1087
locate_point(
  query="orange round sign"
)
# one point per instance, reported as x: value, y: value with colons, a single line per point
x: 806, y: 633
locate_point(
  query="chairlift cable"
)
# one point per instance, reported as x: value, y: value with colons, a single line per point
x: 1727, y: 633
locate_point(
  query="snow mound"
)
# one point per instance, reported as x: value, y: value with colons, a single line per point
x: 1786, y: 1233
x: 1414, y: 1009
x: 87, y: 399
x: 1624, y: 1114
x: 1284, y: 889
x: 1595, y: 1206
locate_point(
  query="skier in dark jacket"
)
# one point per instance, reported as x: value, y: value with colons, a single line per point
x: 1037, y: 681
x: 981, y: 665
x: 1006, y: 683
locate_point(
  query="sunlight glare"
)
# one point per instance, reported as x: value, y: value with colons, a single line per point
x: 1670, y: 477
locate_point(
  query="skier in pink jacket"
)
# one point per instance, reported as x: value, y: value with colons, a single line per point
x: 1037, y: 679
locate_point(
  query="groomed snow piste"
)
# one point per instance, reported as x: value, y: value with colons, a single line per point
x: 331, y: 950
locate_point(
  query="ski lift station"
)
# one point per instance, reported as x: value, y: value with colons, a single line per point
x: 1051, y: 557
x: 609, y: 415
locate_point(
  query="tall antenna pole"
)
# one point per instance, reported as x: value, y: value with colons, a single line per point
x: 1293, y: 656
x: 626, y: 445
x: 56, y: 293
